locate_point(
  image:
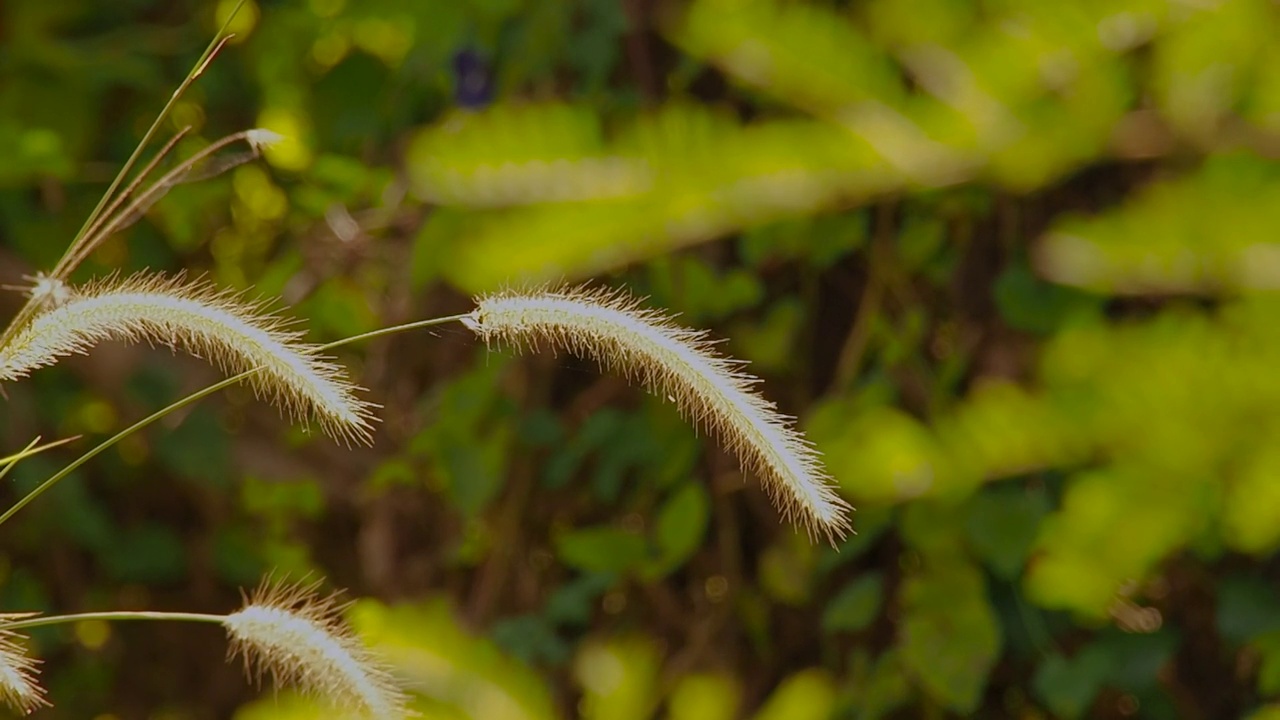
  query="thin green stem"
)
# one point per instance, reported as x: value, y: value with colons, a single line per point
x: 199, y: 394
x: 8, y: 463
x: 415, y: 325
x: 42, y: 487
x: 112, y: 616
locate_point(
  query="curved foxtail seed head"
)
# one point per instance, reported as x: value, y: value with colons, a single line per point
x: 299, y: 638
x: 18, y: 687
x: 234, y: 334
x: 678, y: 363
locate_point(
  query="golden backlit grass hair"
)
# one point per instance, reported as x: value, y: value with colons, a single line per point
x: 678, y: 363
x: 210, y: 323
x: 18, y: 687
x: 299, y: 638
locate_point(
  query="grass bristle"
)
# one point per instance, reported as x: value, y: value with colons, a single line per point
x: 18, y: 687
x: 300, y: 639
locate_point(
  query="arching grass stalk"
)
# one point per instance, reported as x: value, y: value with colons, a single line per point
x: 197, y: 395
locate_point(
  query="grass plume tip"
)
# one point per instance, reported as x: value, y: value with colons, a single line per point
x: 299, y: 638
x: 18, y: 687
x: 234, y: 334
x: 259, y: 138
x: 679, y: 363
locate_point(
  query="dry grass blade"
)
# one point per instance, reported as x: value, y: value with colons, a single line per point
x: 18, y: 687
x: 298, y: 637
x: 218, y: 325
x: 679, y: 363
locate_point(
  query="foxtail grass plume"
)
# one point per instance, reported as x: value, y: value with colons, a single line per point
x: 218, y: 325
x: 18, y: 687
x: 677, y: 363
x: 299, y: 638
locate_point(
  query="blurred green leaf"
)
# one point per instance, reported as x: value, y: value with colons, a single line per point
x: 618, y: 679
x: 680, y: 526
x: 856, y: 606
x: 235, y: 556
x: 1002, y: 525
x: 1069, y: 686
x: 601, y: 549
x: 950, y: 638
x: 198, y: 449
x: 1137, y: 658
x: 148, y: 553
x: 428, y: 645
x: 881, y: 686
x: 704, y: 697
x: 574, y: 602
x: 468, y: 446
x: 1030, y: 304
x: 1268, y: 646
x: 1246, y: 609
x: 786, y: 569
x: 531, y: 639
x: 806, y: 695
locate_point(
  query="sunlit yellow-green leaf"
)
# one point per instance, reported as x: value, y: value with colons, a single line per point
x: 1206, y: 232
x: 704, y: 697
x: 618, y: 679
x: 460, y: 672
x: 806, y: 695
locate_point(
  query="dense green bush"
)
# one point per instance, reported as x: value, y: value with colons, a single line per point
x: 1012, y: 264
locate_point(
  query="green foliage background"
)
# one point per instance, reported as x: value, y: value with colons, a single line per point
x: 1012, y: 264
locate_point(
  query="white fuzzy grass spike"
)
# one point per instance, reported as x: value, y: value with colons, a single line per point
x: 207, y: 322
x: 678, y: 363
x: 299, y: 638
x: 18, y: 687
